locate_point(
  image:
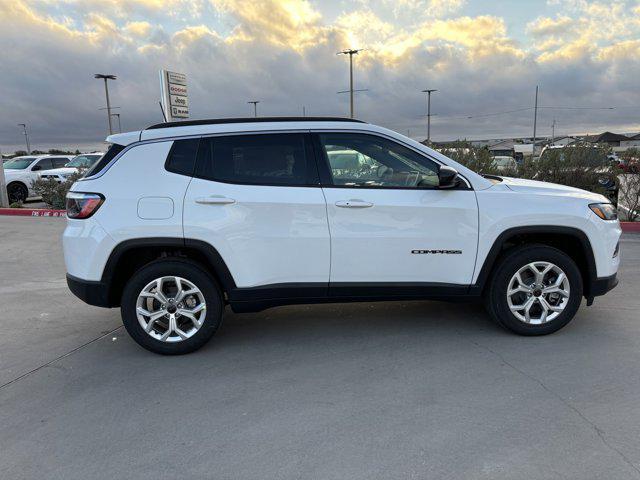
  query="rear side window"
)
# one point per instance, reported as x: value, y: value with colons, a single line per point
x: 59, y: 162
x: 267, y: 159
x: 44, y: 164
x: 114, y: 150
x: 182, y: 156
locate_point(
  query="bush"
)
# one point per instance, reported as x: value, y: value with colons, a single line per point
x: 581, y: 166
x: 54, y: 193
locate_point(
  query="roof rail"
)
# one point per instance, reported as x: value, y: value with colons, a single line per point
x: 216, y: 121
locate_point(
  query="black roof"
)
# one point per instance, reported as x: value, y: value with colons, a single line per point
x: 215, y: 121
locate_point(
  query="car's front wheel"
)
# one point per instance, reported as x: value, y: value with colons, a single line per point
x: 171, y: 306
x: 535, y: 290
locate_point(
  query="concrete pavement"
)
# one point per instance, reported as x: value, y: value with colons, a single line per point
x: 363, y: 391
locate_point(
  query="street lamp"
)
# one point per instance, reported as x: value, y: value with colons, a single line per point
x: 429, y: 91
x: 26, y: 137
x: 255, y: 106
x: 351, y: 52
x: 106, y: 77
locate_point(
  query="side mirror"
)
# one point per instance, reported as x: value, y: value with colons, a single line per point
x: 448, y: 177
x: 36, y: 168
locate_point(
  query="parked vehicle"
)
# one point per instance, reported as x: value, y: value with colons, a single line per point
x: 21, y: 172
x: 79, y: 163
x: 180, y: 219
x: 503, y: 163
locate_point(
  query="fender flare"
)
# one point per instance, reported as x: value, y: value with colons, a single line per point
x: 216, y: 263
x: 496, y: 248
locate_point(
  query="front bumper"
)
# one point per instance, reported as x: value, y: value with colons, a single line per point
x: 600, y: 286
x: 91, y: 292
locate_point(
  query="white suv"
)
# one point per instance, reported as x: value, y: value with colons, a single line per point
x: 180, y: 219
x: 21, y: 172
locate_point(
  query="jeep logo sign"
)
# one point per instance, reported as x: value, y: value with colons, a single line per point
x: 173, y: 95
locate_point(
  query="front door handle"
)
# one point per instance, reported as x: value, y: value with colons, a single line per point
x: 215, y: 200
x: 353, y: 203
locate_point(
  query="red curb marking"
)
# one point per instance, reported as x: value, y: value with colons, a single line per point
x: 32, y: 212
x: 630, y: 226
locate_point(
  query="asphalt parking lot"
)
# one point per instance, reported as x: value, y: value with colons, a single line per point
x: 362, y: 391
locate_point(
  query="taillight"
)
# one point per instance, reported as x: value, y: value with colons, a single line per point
x: 83, y: 205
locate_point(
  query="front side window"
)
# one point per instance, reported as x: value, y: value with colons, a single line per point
x: 266, y: 159
x: 361, y: 160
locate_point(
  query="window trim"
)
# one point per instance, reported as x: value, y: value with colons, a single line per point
x: 324, y: 167
x: 310, y: 155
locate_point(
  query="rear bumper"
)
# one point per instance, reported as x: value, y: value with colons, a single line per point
x: 91, y: 292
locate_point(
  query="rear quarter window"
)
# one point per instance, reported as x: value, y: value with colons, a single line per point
x: 100, y: 165
x: 182, y: 156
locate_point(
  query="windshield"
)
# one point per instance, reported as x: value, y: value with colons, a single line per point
x: 18, y: 163
x: 83, y: 161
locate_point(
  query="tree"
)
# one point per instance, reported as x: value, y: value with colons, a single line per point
x: 629, y: 193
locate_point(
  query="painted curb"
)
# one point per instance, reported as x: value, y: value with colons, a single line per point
x: 33, y: 212
x: 630, y: 227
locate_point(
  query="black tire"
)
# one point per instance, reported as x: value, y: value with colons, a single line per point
x: 189, y: 271
x: 495, y: 296
x: 17, y: 192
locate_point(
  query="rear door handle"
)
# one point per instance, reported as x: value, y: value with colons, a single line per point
x: 215, y: 200
x: 353, y: 203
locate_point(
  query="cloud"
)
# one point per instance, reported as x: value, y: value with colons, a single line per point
x: 284, y: 53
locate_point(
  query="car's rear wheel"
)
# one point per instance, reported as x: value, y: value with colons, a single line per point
x: 171, y: 307
x: 535, y: 290
x: 17, y: 192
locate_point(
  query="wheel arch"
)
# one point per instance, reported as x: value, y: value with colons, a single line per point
x: 572, y: 241
x: 130, y: 255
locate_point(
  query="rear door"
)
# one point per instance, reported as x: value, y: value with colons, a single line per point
x: 390, y: 224
x: 256, y: 199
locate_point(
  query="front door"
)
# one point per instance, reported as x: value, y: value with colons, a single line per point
x: 390, y: 225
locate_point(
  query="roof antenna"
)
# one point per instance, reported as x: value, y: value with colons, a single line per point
x: 162, y: 110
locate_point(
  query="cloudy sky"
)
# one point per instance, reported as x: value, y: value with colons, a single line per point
x: 484, y: 57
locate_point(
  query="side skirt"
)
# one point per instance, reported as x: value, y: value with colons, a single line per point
x: 260, y: 298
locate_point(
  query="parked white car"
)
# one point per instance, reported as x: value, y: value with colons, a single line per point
x: 21, y: 172
x: 79, y: 163
x: 180, y: 219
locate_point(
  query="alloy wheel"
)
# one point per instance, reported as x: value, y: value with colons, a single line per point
x: 171, y: 309
x: 538, y: 293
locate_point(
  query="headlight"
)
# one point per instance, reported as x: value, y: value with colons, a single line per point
x: 605, y: 211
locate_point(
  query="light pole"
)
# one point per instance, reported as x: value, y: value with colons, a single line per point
x: 117, y: 115
x: 106, y: 77
x: 535, y: 124
x: 351, y: 52
x: 255, y: 107
x: 429, y: 91
x: 26, y: 137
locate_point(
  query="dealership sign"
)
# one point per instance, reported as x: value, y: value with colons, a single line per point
x: 173, y: 95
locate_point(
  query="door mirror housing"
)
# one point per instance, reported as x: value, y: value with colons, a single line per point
x: 448, y: 177
x: 36, y: 168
